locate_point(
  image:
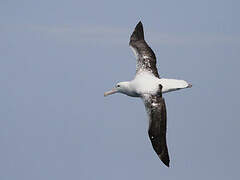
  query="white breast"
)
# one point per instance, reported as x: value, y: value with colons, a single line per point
x: 145, y: 83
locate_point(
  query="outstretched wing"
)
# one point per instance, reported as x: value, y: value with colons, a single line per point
x: 146, y: 59
x: 156, y: 109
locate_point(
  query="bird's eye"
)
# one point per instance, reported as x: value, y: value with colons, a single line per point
x: 118, y: 85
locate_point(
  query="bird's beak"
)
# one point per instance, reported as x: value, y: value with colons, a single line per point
x: 110, y: 92
x: 189, y: 86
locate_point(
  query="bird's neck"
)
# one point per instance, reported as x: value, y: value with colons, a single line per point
x: 129, y: 90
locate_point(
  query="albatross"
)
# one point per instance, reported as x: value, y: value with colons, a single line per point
x: 148, y: 85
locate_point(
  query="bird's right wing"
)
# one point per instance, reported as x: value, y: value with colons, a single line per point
x: 156, y: 109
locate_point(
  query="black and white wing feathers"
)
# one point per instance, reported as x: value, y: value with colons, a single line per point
x: 146, y: 59
x: 156, y: 109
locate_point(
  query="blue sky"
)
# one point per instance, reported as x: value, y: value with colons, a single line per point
x: 59, y: 57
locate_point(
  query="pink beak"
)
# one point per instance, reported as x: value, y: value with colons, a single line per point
x: 110, y: 92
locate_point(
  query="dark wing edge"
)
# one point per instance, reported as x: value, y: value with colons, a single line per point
x: 156, y: 109
x: 146, y: 59
x: 138, y: 33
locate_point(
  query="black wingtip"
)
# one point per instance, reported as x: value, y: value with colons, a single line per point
x: 138, y: 33
x: 139, y: 25
x: 166, y: 163
x: 165, y: 160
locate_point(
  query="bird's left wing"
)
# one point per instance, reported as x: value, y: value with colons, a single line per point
x: 156, y: 109
x: 146, y: 59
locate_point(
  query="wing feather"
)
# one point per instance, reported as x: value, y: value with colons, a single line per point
x: 156, y: 108
x: 146, y: 59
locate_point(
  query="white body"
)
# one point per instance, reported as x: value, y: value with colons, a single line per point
x: 147, y: 83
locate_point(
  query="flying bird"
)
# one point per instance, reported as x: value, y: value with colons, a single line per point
x: 148, y: 85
